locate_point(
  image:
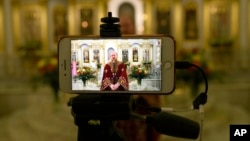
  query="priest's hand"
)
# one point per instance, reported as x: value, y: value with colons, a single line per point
x: 114, y: 86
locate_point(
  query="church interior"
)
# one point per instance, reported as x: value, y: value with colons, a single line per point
x: 213, y: 34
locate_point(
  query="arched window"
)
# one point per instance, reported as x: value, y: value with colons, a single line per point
x: 127, y: 18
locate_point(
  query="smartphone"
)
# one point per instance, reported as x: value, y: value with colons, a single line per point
x: 143, y: 64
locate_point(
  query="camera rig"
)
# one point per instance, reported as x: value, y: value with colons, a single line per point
x: 95, y: 114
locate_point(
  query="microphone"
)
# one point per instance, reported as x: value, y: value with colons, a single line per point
x: 172, y: 125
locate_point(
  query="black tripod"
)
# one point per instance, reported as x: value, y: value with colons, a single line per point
x: 95, y: 114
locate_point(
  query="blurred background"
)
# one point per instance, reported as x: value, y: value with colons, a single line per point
x: 214, y: 34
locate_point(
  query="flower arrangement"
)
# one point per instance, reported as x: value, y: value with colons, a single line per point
x: 47, y: 68
x: 98, y: 65
x: 127, y: 64
x: 221, y: 42
x: 85, y: 73
x: 138, y: 72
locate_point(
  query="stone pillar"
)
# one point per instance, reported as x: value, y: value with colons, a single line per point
x: 8, y: 37
x: 8, y: 26
x: 243, y: 34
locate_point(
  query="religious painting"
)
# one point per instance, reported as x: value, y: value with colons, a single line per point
x: 96, y: 55
x: 86, y: 56
x: 31, y: 23
x: 220, y: 23
x: 60, y: 21
x: 125, y: 55
x: 135, y: 54
x: 163, y: 24
x: 74, y: 56
x: 86, y: 21
x: 127, y: 18
x: 190, y: 21
x: 163, y: 16
x: 145, y: 57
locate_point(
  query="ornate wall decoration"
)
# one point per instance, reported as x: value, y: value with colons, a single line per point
x: 30, y: 22
x: 96, y: 55
x: 220, y: 23
x: 60, y: 22
x: 190, y: 31
x: 86, y: 52
x: 86, y: 55
x: 163, y: 17
x: 28, y: 30
x: 125, y: 55
x: 86, y: 21
x: 163, y: 25
x: 135, y: 54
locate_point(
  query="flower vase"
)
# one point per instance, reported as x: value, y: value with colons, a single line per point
x: 139, y: 81
x: 56, y: 94
x: 54, y: 84
x: 84, y: 83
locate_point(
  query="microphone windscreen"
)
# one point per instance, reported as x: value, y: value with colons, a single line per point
x: 173, y: 125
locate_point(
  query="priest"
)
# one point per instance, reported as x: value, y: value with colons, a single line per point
x: 114, y: 75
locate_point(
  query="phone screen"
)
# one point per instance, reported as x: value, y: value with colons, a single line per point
x: 116, y: 64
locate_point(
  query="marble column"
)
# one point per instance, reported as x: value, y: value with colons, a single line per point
x: 8, y: 26
x: 8, y: 37
x: 243, y: 34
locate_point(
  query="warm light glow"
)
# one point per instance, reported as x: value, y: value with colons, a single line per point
x: 85, y: 24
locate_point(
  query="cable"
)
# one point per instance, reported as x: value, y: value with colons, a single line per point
x: 201, y: 110
x: 201, y: 99
x: 198, y: 103
x: 167, y: 109
x: 204, y: 76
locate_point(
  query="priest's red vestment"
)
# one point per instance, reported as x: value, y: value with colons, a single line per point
x: 113, y: 73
